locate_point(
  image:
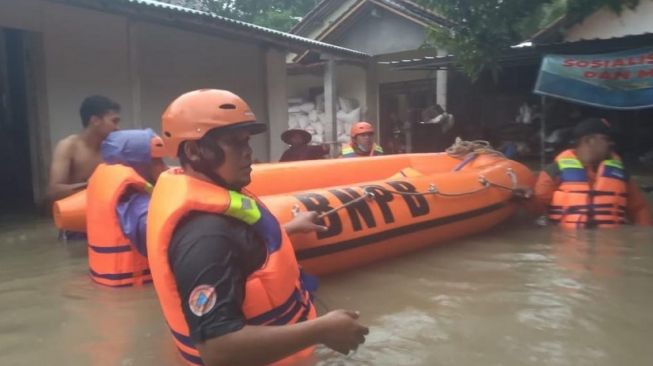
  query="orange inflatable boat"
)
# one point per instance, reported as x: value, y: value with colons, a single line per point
x: 375, y: 208
x: 70, y: 213
x: 382, y: 207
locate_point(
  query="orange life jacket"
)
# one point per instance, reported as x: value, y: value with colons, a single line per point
x: 274, y: 294
x: 112, y: 259
x: 578, y: 204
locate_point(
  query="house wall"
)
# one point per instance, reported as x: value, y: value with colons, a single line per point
x: 24, y: 14
x: 607, y: 24
x: 380, y: 32
x: 277, y: 100
x: 83, y: 59
x: 173, y: 61
x: 141, y: 65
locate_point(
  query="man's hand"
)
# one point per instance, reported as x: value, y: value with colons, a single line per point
x: 304, y: 222
x: 522, y: 193
x: 341, y: 330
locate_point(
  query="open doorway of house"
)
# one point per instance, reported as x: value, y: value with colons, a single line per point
x: 16, y: 193
x: 401, y: 106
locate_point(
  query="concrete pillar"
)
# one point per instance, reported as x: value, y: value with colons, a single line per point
x: 441, y: 80
x: 372, y: 97
x: 330, y: 106
x: 277, y: 100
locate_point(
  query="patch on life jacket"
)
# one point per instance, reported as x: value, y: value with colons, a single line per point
x: 611, y: 172
x: 202, y: 300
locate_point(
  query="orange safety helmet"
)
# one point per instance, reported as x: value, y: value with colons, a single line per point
x: 361, y: 127
x: 193, y: 114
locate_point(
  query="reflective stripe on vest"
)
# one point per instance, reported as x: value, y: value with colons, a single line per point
x: 112, y: 259
x: 273, y: 293
x: 576, y: 204
x: 347, y: 151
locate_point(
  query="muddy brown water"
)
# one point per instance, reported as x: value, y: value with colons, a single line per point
x: 517, y: 295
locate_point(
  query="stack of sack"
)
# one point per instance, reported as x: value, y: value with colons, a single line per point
x: 310, y: 116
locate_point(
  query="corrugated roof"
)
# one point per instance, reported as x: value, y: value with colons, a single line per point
x: 533, y: 53
x: 183, y: 13
x: 327, y: 8
x: 412, y: 9
x: 408, y: 8
x: 308, y: 18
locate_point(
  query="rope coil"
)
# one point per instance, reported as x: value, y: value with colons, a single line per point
x: 461, y: 149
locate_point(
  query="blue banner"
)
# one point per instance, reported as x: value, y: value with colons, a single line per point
x: 619, y: 80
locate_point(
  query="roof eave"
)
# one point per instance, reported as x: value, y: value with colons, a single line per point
x: 210, y: 23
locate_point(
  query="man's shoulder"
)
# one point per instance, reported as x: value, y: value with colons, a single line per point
x: 200, y: 228
x: 68, y: 143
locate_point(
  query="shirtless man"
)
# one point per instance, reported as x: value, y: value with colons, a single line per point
x: 76, y: 156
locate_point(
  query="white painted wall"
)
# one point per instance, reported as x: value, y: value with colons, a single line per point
x: 607, y: 24
x: 173, y: 61
x: 380, y: 31
x: 277, y: 98
x: 23, y: 14
x: 143, y: 66
x: 83, y: 58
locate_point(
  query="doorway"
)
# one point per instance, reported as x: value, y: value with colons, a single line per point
x: 16, y: 189
x: 401, y: 106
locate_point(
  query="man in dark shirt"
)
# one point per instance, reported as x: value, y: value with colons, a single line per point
x: 212, y: 256
x: 299, y: 148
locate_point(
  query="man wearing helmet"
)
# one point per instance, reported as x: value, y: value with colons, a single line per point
x: 117, y: 207
x: 223, y: 267
x: 362, y: 142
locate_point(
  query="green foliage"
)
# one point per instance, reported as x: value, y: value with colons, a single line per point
x: 484, y: 28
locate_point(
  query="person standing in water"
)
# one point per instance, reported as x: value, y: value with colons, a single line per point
x: 118, y: 198
x: 223, y: 267
x: 76, y: 156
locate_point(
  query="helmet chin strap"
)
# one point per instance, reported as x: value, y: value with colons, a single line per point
x: 207, y: 166
x: 362, y: 148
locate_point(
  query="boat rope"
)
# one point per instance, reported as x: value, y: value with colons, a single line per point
x: 432, y: 191
x: 461, y: 149
x: 366, y: 195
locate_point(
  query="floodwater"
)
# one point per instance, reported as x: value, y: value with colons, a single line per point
x: 518, y: 295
